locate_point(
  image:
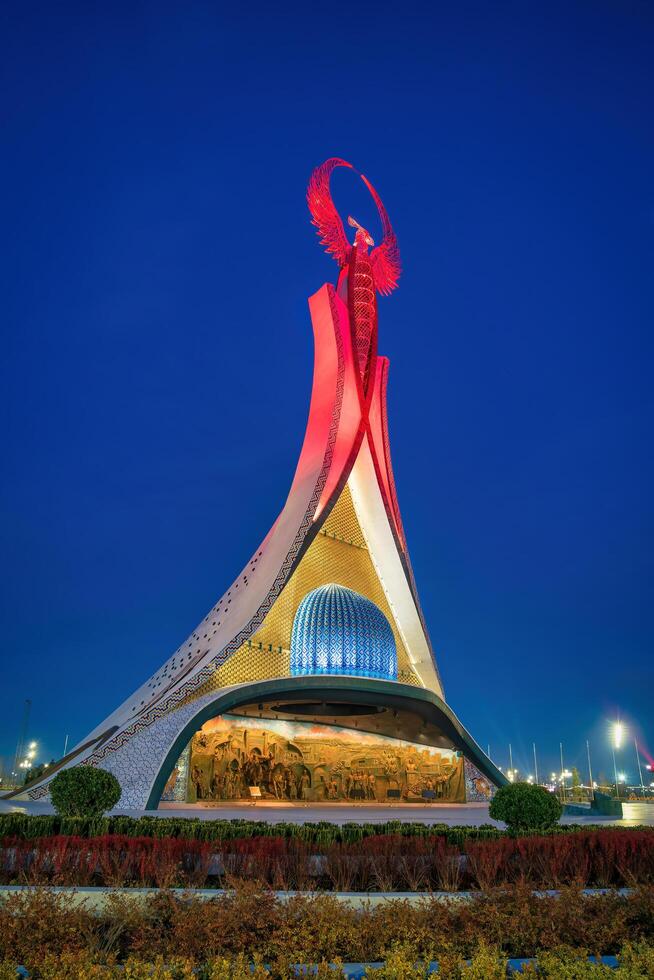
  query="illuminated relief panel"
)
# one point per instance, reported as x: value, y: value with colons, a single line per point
x: 291, y: 760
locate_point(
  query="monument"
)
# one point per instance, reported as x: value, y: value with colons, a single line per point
x: 313, y: 678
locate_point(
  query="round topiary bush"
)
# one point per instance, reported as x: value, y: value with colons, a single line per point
x: 84, y: 791
x: 525, y: 807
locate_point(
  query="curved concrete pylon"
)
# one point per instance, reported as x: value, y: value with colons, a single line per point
x: 342, y: 497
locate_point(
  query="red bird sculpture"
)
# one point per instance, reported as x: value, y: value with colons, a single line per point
x: 362, y: 274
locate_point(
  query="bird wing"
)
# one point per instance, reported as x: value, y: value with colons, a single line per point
x: 385, y: 259
x: 323, y: 211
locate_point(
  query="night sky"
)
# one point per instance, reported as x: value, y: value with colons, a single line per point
x: 156, y: 359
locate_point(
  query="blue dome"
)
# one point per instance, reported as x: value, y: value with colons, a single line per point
x: 338, y: 631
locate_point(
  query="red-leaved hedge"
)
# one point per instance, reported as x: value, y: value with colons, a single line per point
x: 383, y: 863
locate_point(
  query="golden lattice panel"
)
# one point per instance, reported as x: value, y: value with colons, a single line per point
x: 337, y: 554
x: 342, y: 523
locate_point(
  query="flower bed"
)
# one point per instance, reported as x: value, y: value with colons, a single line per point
x: 383, y: 863
x: 45, y: 932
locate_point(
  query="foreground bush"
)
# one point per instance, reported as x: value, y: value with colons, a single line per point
x: 522, y: 806
x: 383, y: 863
x: 39, y: 924
x: 485, y: 964
x: 84, y: 791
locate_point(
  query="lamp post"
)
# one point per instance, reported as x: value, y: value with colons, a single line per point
x: 617, y: 733
x: 29, y: 761
x: 590, y: 770
x: 640, y: 771
x: 23, y: 735
x: 562, y: 774
x: 535, y: 763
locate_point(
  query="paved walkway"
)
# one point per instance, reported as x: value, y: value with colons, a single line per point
x: 339, y: 813
x: 471, y: 814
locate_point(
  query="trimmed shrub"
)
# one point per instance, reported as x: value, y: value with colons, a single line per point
x: 84, y: 791
x: 522, y: 806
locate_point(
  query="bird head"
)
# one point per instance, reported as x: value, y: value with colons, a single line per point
x: 362, y: 236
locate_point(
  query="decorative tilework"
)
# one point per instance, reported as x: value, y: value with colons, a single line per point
x: 479, y: 789
x: 176, y: 787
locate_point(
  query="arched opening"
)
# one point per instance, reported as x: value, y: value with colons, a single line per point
x: 345, y: 736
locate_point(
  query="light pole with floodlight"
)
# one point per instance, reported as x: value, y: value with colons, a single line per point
x: 640, y: 770
x: 617, y: 734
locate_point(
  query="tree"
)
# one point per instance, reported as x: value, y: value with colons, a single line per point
x: 522, y: 806
x: 84, y: 791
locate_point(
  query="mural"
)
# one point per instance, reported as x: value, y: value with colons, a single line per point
x: 308, y: 762
x: 175, y: 789
x: 479, y: 789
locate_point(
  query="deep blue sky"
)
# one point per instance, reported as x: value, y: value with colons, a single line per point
x: 156, y: 346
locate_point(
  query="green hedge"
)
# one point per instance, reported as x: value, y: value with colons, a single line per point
x: 27, y: 827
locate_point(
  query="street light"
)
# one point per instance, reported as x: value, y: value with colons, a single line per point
x: 640, y: 769
x: 617, y: 734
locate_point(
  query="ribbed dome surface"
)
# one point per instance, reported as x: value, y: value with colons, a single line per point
x: 338, y: 631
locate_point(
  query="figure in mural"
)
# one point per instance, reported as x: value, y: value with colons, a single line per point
x: 200, y: 783
x: 278, y: 783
